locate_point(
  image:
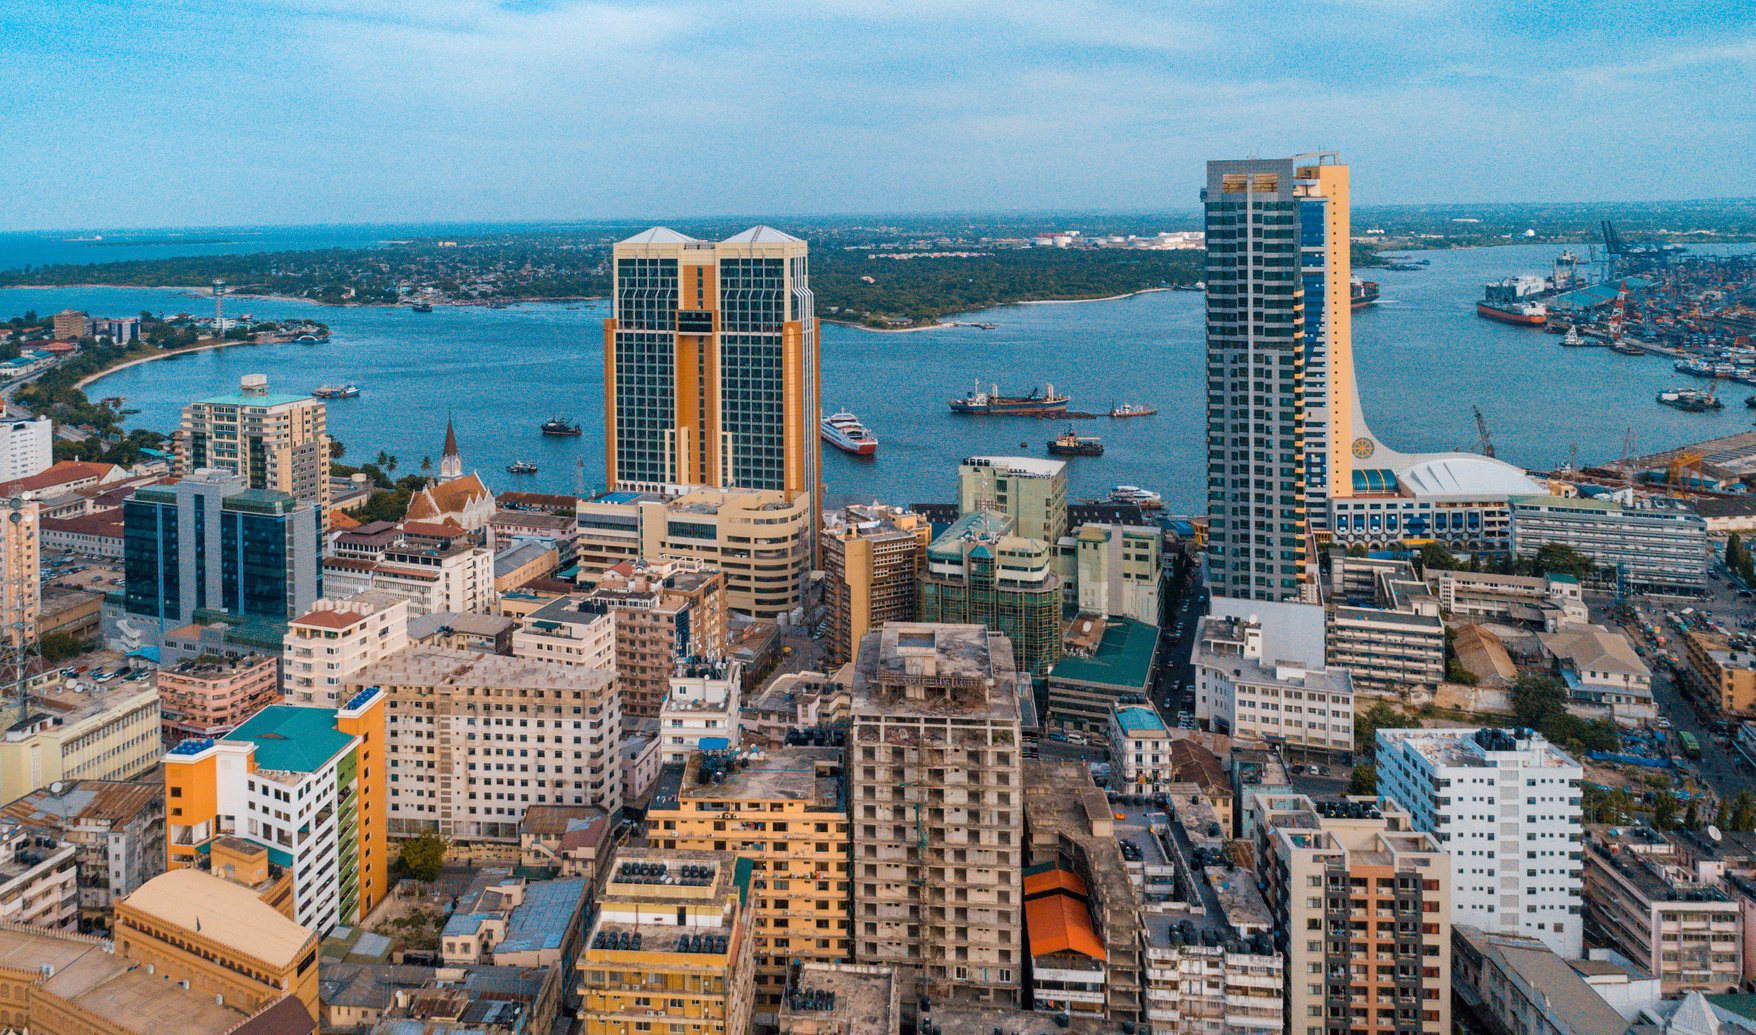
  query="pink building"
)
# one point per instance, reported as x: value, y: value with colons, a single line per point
x: 208, y: 696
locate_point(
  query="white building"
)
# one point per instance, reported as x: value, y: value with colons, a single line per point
x: 27, y: 447
x: 1243, y: 690
x: 570, y: 630
x: 1649, y: 544
x: 1605, y: 677
x: 702, y: 709
x: 1140, y: 750
x: 1119, y: 569
x: 434, y: 579
x: 327, y: 645
x: 38, y: 885
x: 1505, y: 805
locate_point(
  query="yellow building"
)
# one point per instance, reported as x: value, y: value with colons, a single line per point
x: 786, y: 811
x: 219, y: 937
x: 1724, y: 675
x: 873, y: 558
x: 20, y: 550
x: 110, y: 733
x: 670, y: 949
x: 1322, y: 189
x: 278, y: 442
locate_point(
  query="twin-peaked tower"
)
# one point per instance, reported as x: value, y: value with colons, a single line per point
x: 710, y: 364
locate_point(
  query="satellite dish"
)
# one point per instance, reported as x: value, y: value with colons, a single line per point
x: 1713, y: 832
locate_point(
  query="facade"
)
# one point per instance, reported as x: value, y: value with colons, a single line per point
x: 476, y: 738
x: 1722, y: 674
x: 760, y: 542
x: 1549, y: 602
x: 672, y: 943
x: 873, y: 560
x: 1031, y: 491
x: 786, y: 810
x: 1605, y: 677
x: 664, y: 613
x: 209, y: 543
x: 710, y: 365
x: 110, y: 733
x: 435, y: 577
x: 1140, y: 750
x: 26, y: 447
x: 570, y: 631
x: 1120, y: 568
x: 278, y: 443
x: 210, y: 695
x: 1242, y: 692
x: 72, y: 325
x: 1652, y: 545
x: 979, y: 572
x: 1387, y: 651
x: 936, y: 805
x: 307, y: 787
x: 1686, y: 933
x: 117, y: 831
x: 326, y: 646
x: 1505, y: 804
x: 38, y: 882
x: 1519, y: 984
x: 1329, y: 869
x: 20, y: 581
x: 702, y: 711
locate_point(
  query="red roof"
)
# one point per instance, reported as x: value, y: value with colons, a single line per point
x: 432, y: 530
x: 108, y: 523
x: 329, y: 619
x: 63, y: 473
x: 1060, y: 923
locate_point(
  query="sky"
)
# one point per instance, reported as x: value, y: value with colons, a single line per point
x: 124, y: 113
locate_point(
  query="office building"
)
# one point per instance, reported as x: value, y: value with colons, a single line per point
x: 873, y: 560
x: 702, y: 710
x: 1519, y: 984
x: 1244, y: 690
x: 786, y: 810
x: 38, y: 881
x: 20, y: 581
x: 278, y: 443
x: 1032, y: 492
x: 1120, y: 568
x: 208, y: 696
x: 979, y: 571
x: 207, y: 543
x: 1687, y: 933
x: 71, y: 325
x: 307, y: 787
x: 672, y: 944
x: 327, y: 645
x: 1647, y: 545
x: 217, y: 937
x: 937, y: 797
x: 1104, y: 663
x: 116, y: 829
x: 104, y: 731
x: 760, y: 542
x: 1505, y: 805
x: 1548, y: 602
x: 477, y: 738
x: 1140, y: 750
x: 710, y: 365
x: 26, y: 447
x: 572, y: 631
x: 1388, y: 652
x: 1362, y: 910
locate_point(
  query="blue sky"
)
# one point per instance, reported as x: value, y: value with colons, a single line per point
x: 181, y: 112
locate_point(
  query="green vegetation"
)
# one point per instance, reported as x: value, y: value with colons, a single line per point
x: 1539, y: 701
x: 59, y: 646
x: 423, y: 857
x: 1363, y: 780
x: 1738, y: 559
x: 1738, y: 814
x: 1367, y: 724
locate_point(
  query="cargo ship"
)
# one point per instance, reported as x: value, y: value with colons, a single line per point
x: 1524, y: 314
x: 1362, y: 293
x: 336, y: 391
x: 1041, y: 402
x: 1513, y: 301
x: 560, y: 426
x: 1069, y: 444
x: 844, y: 431
x: 1690, y: 400
x: 422, y: 307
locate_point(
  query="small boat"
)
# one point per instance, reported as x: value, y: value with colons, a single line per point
x: 311, y: 339
x: 1131, y: 410
x: 1145, y: 499
x: 560, y: 426
x: 521, y: 467
x: 1750, y: 401
x: 1069, y: 444
x: 422, y: 307
x: 1627, y: 348
x: 844, y: 431
x: 336, y: 391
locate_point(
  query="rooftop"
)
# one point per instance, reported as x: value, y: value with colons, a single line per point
x: 110, y: 986
x: 1566, y: 1000
x: 1488, y: 746
x: 1123, y: 659
x: 439, y: 666
x: 84, y: 801
x: 542, y: 920
x: 1593, y: 648
x: 791, y: 773
x: 1034, y: 467
x: 1464, y: 476
x: 866, y: 998
x: 1139, y: 718
x: 289, y: 739
x: 911, y: 667
x: 228, y: 913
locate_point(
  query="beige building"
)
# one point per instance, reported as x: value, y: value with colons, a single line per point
x: 474, y: 739
x: 117, y: 831
x: 278, y: 442
x: 1032, y: 492
x: 873, y: 556
x: 842, y: 999
x: 936, y: 805
x: 1244, y: 694
x: 1364, y: 906
x: 759, y: 541
x: 785, y: 810
x: 568, y: 631
x: 665, y: 613
x: 671, y: 946
x: 1519, y: 984
x: 1721, y: 673
x: 338, y: 637
x: 435, y: 577
x: 20, y: 587
x: 110, y: 732
x: 1686, y: 933
x: 38, y: 883
x: 1119, y: 570
x: 72, y: 325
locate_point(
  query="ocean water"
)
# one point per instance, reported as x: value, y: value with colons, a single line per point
x: 1423, y: 360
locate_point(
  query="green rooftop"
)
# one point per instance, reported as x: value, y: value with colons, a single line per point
x: 1123, y: 659
x: 296, y: 740
x: 239, y: 399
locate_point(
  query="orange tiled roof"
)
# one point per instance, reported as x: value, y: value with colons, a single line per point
x: 1052, y: 881
x: 343, y: 520
x: 1060, y: 923
x: 446, y: 498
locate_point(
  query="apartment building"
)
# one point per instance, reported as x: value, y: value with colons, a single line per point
x: 434, y: 576
x: 26, y: 447
x: 116, y: 829
x: 1243, y: 693
x: 327, y: 645
x: 1120, y: 569
x: 208, y: 695
x: 1646, y: 545
x: 1140, y: 750
x: 569, y: 630
x: 272, y: 442
x: 785, y: 810
x: 1505, y: 805
x: 980, y: 572
x: 1687, y: 933
x: 673, y: 943
x: 307, y: 787
x: 664, y: 613
x: 1362, y: 909
x: 702, y: 710
x: 794, y: 700
x: 937, y: 799
x: 39, y: 879
x: 1721, y: 673
x: 1031, y: 491
x: 477, y: 738
x: 873, y: 560
x: 110, y: 732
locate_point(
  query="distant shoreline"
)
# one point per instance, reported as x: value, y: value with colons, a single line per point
x: 163, y: 354
x: 207, y: 294
x: 937, y: 326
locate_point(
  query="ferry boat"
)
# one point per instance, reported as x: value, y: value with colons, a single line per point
x: 1362, y: 293
x: 312, y: 339
x: 560, y: 426
x: 1041, y: 402
x: 844, y: 431
x: 336, y: 391
x: 1069, y: 444
x: 1690, y: 400
x: 1131, y: 410
x: 1145, y: 499
x: 521, y: 467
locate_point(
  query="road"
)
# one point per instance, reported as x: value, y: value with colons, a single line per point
x: 1185, y: 602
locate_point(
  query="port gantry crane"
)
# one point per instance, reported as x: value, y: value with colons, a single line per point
x: 1484, y: 444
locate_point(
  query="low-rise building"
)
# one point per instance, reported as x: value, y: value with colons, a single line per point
x: 1088, y: 683
x: 1652, y: 544
x: 490, y: 634
x: 70, y: 612
x: 39, y: 879
x: 1549, y: 602
x: 405, y: 999
x: 117, y: 831
x: 1140, y: 750
x: 1686, y: 933
x: 1518, y: 984
x: 327, y: 645
x: 524, y: 561
x: 794, y: 700
x: 563, y: 839
x: 110, y: 732
x: 842, y: 999
x: 1242, y: 693
x: 1605, y: 678
x: 513, y: 922
x: 1387, y: 652
x: 702, y: 709
x: 212, y: 694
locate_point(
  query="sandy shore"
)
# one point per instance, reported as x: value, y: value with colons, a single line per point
x: 1106, y: 298
x: 136, y: 361
x: 967, y: 323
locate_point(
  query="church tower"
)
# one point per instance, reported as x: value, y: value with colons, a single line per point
x: 450, y: 464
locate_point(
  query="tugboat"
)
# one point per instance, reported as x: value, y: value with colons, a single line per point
x: 521, y: 467
x: 1690, y: 400
x: 844, y: 431
x: 336, y: 391
x: 1131, y: 410
x: 422, y: 307
x: 1069, y: 444
x: 560, y: 426
x: 1041, y: 402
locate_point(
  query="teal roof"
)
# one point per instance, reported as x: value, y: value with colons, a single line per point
x: 1374, y: 479
x: 297, y: 740
x: 1136, y: 718
x: 1123, y: 660
x: 252, y: 400
x: 1561, y: 576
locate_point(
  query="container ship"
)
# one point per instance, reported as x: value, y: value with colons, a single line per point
x: 1041, y: 402
x: 845, y: 432
x: 1362, y: 293
x: 1069, y: 444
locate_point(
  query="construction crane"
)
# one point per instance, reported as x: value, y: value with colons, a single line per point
x: 1619, y: 315
x: 1682, y: 464
x: 1628, y: 459
x: 1484, y: 445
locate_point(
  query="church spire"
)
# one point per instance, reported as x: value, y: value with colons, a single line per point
x: 451, y: 462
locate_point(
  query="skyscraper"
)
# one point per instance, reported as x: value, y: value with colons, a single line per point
x: 1256, y: 405
x: 710, y: 364
x: 278, y: 442
x: 1326, y: 277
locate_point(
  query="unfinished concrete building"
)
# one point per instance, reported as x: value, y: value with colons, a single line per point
x: 937, y: 810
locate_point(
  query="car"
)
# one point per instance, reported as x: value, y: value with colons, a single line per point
x: 1662, y: 723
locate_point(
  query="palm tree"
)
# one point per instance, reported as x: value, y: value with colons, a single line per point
x: 383, y: 459
x: 426, y: 465
x: 390, y: 463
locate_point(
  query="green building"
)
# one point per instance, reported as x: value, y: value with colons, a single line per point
x: 979, y: 573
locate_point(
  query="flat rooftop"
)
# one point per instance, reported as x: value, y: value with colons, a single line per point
x: 439, y: 666
x: 866, y: 997
x: 792, y: 773
x: 962, y: 669
x: 952, y: 1019
x: 112, y: 987
x: 1124, y: 658
x: 1459, y: 748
